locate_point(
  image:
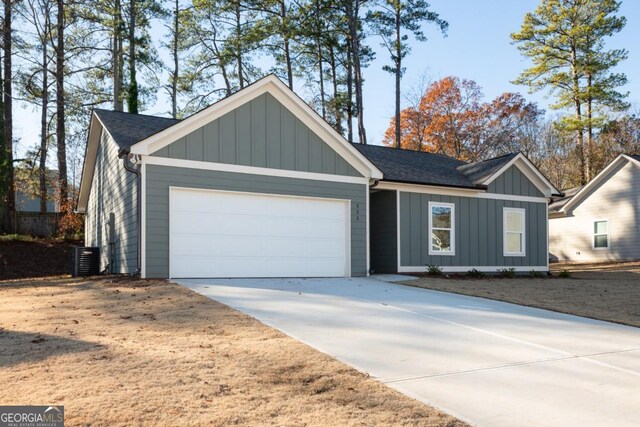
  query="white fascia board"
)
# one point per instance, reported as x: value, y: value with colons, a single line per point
x: 89, y: 166
x: 287, y: 98
x: 252, y: 170
x: 530, y: 171
x: 595, y: 181
x: 465, y: 269
x: 460, y: 192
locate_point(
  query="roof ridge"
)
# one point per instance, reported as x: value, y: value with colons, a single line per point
x: 135, y: 114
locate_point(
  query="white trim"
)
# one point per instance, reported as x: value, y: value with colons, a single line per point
x: 547, y: 225
x: 460, y: 192
x: 530, y: 171
x: 253, y: 170
x: 430, y: 189
x: 143, y: 220
x: 347, y: 203
x: 593, y: 234
x: 596, y: 180
x: 368, y: 227
x: 464, y: 269
x: 523, y: 224
x: 287, y: 98
x: 452, y: 229
x: 398, y: 228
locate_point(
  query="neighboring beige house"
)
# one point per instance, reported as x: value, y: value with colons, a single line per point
x: 601, y: 220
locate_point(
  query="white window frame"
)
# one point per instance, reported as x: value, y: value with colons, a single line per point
x: 593, y: 234
x: 452, y: 206
x: 523, y: 213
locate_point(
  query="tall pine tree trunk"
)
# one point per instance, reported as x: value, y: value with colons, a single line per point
x: 398, y: 73
x: 584, y: 149
x: 10, y: 198
x: 334, y: 80
x: 238, y: 47
x: 132, y: 93
x: 44, y: 99
x: 353, y: 10
x: 589, y: 121
x: 286, y: 43
x: 176, y: 61
x: 60, y: 111
x: 349, y: 94
x: 117, y: 57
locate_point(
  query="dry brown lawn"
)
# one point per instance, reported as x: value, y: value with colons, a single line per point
x: 123, y: 352
x: 608, y: 292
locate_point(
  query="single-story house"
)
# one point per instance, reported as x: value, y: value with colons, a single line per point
x: 259, y: 185
x: 601, y: 220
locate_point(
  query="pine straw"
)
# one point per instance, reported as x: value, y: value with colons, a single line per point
x: 122, y: 352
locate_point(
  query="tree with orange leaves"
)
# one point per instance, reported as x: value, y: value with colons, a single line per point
x: 452, y: 119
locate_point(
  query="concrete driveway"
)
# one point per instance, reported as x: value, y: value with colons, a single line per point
x: 486, y: 362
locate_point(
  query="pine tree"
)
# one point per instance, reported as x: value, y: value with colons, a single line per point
x: 388, y: 19
x: 565, y: 40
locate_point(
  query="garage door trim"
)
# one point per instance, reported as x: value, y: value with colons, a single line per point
x: 347, y: 203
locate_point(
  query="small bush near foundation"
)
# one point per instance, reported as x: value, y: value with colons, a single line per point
x: 534, y: 274
x: 475, y: 273
x: 434, y: 270
x: 564, y: 274
x: 508, y: 273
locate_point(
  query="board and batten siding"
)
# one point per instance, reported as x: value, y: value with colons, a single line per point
x: 160, y: 178
x: 478, y: 232
x: 616, y: 199
x: 514, y: 182
x: 260, y: 133
x: 112, y: 204
x: 384, y: 234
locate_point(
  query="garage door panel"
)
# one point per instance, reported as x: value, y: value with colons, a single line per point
x: 224, y: 234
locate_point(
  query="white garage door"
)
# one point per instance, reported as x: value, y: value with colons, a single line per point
x: 229, y: 234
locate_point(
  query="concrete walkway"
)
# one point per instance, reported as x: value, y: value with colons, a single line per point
x: 486, y: 362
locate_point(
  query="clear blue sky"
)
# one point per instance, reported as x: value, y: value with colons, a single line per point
x: 477, y: 47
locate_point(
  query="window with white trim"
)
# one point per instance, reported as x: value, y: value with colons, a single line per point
x: 442, y: 228
x: 514, y: 231
x: 601, y: 234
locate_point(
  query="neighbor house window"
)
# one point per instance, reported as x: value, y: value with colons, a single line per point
x: 601, y: 234
x: 514, y: 232
x: 442, y: 228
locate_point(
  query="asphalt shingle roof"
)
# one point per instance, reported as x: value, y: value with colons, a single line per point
x: 396, y: 165
x: 430, y: 168
x: 128, y: 129
x: 558, y: 202
x: 478, y: 172
x: 415, y: 166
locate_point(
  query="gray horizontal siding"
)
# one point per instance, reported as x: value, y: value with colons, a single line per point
x: 514, y: 182
x: 384, y: 234
x: 478, y: 232
x: 160, y: 178
x: 113, y: 191
x: 261, y: 133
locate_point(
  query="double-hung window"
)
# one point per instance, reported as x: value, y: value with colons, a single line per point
x: 601, y: 234
x: 514, y: 232
x: 442, y: 228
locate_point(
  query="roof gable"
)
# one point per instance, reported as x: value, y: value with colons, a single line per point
x: 564, y: 205
x: 261, y: 133
x: 287, y: 98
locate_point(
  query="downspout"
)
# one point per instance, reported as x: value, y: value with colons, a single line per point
x: 131, y: 167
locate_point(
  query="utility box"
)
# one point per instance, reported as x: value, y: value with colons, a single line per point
x: 86, y: 261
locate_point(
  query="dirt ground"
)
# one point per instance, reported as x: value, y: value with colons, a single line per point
x: 121, y: 352
x: 30, y: 257
x: 600, y: 291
